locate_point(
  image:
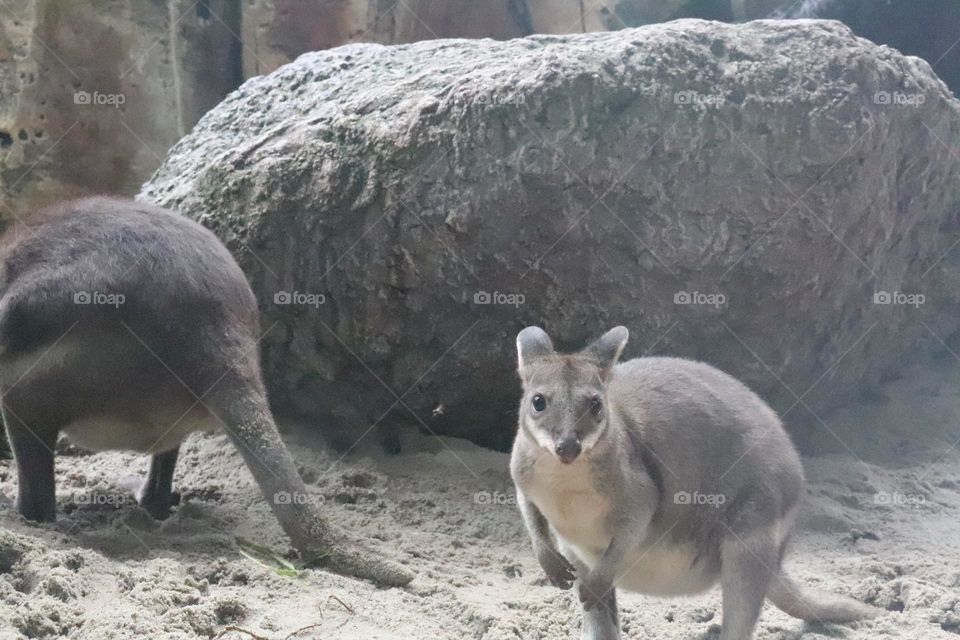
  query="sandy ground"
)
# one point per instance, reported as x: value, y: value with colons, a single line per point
x: 880, y: 523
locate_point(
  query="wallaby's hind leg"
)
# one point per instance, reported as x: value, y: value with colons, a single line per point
x: 601, y: 622
x: 33, y: 450
x: 156, y: 495
x: 749, y: 561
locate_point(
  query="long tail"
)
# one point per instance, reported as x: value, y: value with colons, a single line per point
x: 251, y: 428
x: 815, y: 606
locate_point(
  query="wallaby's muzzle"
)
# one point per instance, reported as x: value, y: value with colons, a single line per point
x: 568, y: 449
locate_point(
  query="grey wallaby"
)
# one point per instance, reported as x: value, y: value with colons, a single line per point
x: 661, y: 476
x: 127, y: 326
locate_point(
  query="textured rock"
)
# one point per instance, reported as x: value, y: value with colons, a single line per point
x: 784, y: 171
x: 93, y: 94
x: 928, y: 30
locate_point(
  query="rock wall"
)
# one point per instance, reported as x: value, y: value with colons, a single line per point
x: 151, y: 68
x: 768, y: 197
x: 93, y: 94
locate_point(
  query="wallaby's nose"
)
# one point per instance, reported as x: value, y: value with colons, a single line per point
x: 568, y: 450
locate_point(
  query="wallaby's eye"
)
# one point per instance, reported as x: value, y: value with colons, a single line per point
x: 539, y: 403
x: 595, y: 406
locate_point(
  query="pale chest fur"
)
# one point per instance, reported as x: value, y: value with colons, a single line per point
x: 567, y: 497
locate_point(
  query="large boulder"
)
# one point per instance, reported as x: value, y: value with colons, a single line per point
x: 750, y: 195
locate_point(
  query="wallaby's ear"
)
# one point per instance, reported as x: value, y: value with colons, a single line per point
x: 532, y: 342
x: 607, y: 349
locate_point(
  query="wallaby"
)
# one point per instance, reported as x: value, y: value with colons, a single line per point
x: 127, y: 326
x: 661, y: 476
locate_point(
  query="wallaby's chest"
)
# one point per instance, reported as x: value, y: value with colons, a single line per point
x: 567, y: 496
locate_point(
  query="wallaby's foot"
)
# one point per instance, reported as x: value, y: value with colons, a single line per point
x: 602, y: 621
x: 560, y: 572
x: 156, y: 495
x: 159, y: 508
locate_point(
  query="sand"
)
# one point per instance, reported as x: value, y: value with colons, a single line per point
x: 880, y: 523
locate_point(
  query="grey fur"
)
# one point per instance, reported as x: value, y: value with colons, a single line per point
x: 686, y: 478
x: 177, y: 353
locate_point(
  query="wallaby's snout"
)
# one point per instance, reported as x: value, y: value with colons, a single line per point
x: 568, y: 449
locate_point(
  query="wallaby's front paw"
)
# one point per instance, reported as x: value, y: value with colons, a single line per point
x: 560, y: 572
x: 593, y: 589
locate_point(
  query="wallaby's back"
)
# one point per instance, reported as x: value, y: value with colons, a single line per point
x: 713, y: 441
x: 178, y: 283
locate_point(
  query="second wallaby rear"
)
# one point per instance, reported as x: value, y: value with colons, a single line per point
x: 127, y: 326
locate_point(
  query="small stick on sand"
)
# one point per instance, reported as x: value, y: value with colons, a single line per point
x: 342, y: 603
x: 306, y: 628
x: 239, y: 630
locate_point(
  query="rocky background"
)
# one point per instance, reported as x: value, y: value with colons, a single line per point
x: 94, y: 93
x: 749, y: 195
x: 779, y: 198
x: 429, y: 200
